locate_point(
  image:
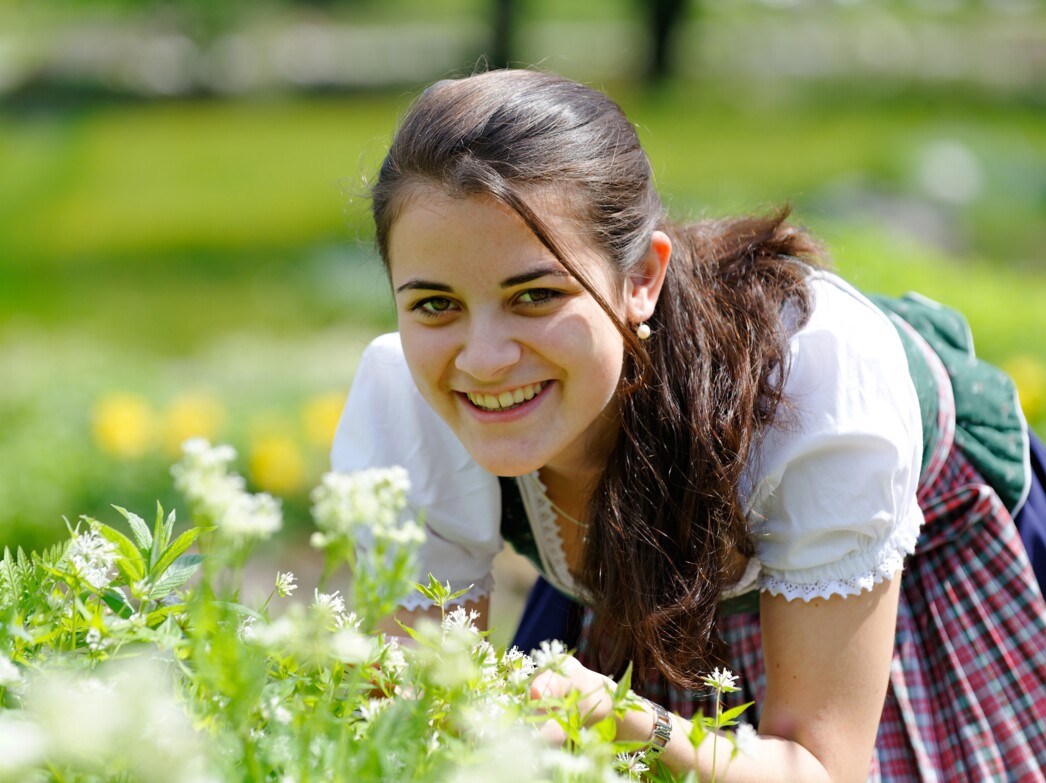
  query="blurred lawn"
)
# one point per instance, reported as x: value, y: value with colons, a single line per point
x: 136, y: 182
x: 204, y: 266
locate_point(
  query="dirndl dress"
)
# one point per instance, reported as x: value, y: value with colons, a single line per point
x: 966, y: 700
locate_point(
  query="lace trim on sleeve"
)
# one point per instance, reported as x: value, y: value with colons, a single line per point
x: 480, y: 589
x: 871, y: 566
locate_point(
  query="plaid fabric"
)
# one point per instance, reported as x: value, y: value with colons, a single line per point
x: 967, y: 693
x: 966, y: 699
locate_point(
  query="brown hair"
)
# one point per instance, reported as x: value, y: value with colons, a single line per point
x: 694, y: 398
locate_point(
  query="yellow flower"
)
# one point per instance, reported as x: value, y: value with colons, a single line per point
x: 319, y: 417
x: 275, y: 464
x: 191, y: 415
x: 1029, y: 374
x: 123, y: 425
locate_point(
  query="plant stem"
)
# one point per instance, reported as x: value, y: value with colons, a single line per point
x: 72, y: 625
x: 715, y: 732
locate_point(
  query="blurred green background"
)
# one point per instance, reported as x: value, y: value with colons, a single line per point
x: 184, y: 236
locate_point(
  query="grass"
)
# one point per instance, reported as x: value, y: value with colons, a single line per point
x: 130, y: 184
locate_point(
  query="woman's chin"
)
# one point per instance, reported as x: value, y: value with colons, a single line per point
x: 504, y: 465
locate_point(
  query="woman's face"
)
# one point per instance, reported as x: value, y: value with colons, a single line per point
x: 506, y: 346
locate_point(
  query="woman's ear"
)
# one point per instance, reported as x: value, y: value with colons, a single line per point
x: 643, y: 286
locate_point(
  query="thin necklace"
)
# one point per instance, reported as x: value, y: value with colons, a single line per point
x: 551, y: 502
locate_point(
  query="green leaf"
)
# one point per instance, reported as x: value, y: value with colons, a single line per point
x: 624, y: 685
x: 130, y: 561
x: 409, y: 631
x: 142, y: 537
x: 698, y: 728
x: 176, y: 575
x: 183, y: 542
x: 239, y: 609
x: 13, y: 576
x: 162, y: 531
x: 435, y: 590
x: 116, y: 601
x: 157, y: 616
x: 733, y: 713
x: 605, y: 729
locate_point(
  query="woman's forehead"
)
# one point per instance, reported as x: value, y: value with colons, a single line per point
x: 436, y: 230
x: 431, y: 208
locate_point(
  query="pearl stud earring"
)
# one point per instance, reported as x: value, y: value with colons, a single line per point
x: 643, y: 331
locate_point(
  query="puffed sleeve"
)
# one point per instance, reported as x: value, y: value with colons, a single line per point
x: 832, y: 503
x: 386, y: 422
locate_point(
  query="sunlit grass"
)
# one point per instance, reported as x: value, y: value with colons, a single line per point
x: 133, y: 183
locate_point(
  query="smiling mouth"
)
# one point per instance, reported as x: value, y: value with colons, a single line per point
x: 507, y: 400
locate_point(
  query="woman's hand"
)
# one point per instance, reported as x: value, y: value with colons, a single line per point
x: 595, y: 703
x: 827, y: 666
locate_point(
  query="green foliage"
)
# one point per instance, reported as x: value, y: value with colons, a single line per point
x: 116, y: 634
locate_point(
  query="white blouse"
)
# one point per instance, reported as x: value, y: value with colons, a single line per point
x: 830, y: 488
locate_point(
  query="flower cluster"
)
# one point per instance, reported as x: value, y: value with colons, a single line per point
x: 370, y: 501
x: 92, y: 558
x: 218, y: 496
x: 115, y: 666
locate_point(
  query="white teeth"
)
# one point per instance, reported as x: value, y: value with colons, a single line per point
x: 507, y: 399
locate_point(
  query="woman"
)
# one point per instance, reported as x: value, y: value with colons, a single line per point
x: 721, y: 450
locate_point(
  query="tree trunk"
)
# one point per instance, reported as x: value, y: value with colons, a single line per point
x: 663, y: 16
x: 501, y: 45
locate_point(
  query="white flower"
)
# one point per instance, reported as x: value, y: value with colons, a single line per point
x: 23, y: 744
x: 550, y: 657
x: 246, y: 633
x: 285, y: 583
x: 93, y: 637
x: 407, y: 533
x: 631, y: 764
x: 518, y: 672
x: 394, y: 661
x: 92, y: 557
x: 351, y: 647
x: 746, y: 739
x: 395, y: 762
x: 329, y: 608
x: 329, y: 602
x: 371, y: 498
x: 88, y: 721
x: 721, y: 680
x: 219, y: 496
x: 568, y: 763
x: 458, y: 619
x: 370, y: 708
x: 9, y: 673
x: 277, y: 635
x: 245, y: 517
x: 487, y: 658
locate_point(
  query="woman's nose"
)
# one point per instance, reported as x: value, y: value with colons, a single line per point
x: 488, y: 351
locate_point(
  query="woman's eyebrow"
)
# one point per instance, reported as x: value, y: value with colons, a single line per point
x: 509, y: 282
x: 534, y: 274
x: 424, y: 285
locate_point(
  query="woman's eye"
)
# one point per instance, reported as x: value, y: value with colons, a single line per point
x: 433, y: 306
x: 537, y: 296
